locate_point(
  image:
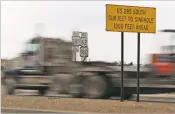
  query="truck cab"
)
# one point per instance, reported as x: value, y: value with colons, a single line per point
x: 164, y: 63
x: 30, y: 55
x: 43, y: 52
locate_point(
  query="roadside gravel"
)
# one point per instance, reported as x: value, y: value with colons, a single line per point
x: 86, y: 105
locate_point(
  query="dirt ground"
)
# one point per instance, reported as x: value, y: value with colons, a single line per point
x: 87, y: 105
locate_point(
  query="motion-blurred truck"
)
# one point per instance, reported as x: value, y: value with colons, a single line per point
x: 47, y: 65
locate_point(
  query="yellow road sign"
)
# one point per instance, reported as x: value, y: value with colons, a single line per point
x: 120, y: 18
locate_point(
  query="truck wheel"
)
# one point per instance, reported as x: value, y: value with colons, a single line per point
x: 56, y: 86
x: 2, y: 78
x: 10, y: 86
x: 75, y: 88
x: 3, y: 81
x: 96, y: 87
x: 61, y: 83
x: 42, y: 92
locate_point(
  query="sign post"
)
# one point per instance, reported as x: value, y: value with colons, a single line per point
x: 138, y: 67
x: 122, y: 62
x: 121, y: 18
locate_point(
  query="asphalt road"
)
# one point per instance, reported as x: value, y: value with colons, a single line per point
x: 165, y: 98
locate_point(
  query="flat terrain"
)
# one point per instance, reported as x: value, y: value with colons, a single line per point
x: 9, y: 110
x: 86, y: 105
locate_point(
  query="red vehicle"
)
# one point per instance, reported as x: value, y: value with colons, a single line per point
x: 164, y: 63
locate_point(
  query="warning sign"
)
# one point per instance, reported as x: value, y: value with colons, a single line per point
x: 121, y: 18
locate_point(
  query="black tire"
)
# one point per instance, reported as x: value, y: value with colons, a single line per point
x: 10, y: 86
x: 3, y: 81
x: 56, y: 86
x: 96, y: 87
x: 75, y: 88
x: 42, y: 91
x: 60, y: 83
x: 2, y: 77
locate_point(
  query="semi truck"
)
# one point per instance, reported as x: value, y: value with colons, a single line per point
x: 46, y: 65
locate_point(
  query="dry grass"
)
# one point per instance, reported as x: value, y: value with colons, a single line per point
x: 87, y: 105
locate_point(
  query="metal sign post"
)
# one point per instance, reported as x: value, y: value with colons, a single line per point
x: 138, y: 67
x: 122, y: 62
x: 121, y: 18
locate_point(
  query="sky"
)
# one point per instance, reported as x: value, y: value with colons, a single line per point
x: 19, y: 20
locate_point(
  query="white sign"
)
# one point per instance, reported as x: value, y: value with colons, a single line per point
x: 74, y: 56
x: 75, y: 33
x: 83, y: 58
x: 84, y: 34
x: 84, y: 51
x: 84, y: 42
x: 76, y: 40
x: 75, y: 48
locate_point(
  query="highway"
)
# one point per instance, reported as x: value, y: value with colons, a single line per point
x: 165, y: 98
x: 30, y: 94
x: 142, y: 98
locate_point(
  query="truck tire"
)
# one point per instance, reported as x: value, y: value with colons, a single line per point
x: 42, y: 91
x: 75, y: 88
x: 2, y: 78
x: 56, y: 85
x: 61, y: 83
x: 96, y: 87
x: 10, y: 86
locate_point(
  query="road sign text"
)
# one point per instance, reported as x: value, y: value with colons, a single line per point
x: 130, y: 19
